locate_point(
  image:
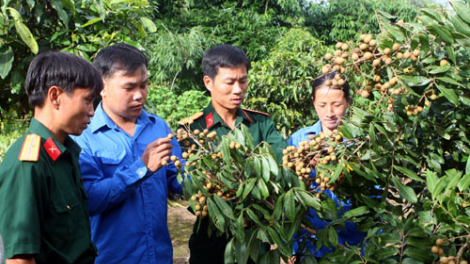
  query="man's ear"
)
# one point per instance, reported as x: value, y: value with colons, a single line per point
x: 208, y: 82
x: 53, y: 96
x: 103, y: 91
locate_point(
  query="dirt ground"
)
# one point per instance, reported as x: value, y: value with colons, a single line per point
x: 180, y: 224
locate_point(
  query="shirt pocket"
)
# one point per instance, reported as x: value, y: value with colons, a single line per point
x: 110, y: 160
x: 65, y: 212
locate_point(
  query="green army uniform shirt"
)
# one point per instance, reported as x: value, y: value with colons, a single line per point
x: 207, y: 249
x: 44, y: 207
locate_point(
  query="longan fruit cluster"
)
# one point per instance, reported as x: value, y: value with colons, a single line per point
x: 437, y: 249
x: 214, y: 188
x: 173, y: 158
x: 316, y: 150
x: 367, y: 50
x: 197, y: 137
x: 201, y: 207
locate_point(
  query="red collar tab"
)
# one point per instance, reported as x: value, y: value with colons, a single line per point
x: 247, y: 115
x: 209, y: 120
x: 52, y: 149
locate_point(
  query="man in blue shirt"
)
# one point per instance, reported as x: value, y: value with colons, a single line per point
x: 121, y: 161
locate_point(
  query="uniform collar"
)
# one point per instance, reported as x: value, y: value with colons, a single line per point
x: 39, y: 129
x: 101, y: 119
x: 212, y: 118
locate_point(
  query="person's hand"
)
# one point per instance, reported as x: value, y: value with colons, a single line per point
x: 157, y: 153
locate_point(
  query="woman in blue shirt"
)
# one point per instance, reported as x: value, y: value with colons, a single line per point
x: 330, y: 103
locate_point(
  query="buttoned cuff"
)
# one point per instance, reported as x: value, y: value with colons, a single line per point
x: 140, y: 169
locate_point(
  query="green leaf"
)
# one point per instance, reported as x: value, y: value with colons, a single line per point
x: 432, y: 14
x: 431, y: 181
x: 273, y: 166
x: 14, y: 13
x: 6, y: 61
x: 240, y: 227
x: 467, y: 166
x: 148, y: 24
x: 454, y: 177
x: 265, y: 169
x: 91, y: 22
x: 277, y: 240
x: 407, y: 192
x: 215, y: 215
x: 415, y: 80
x: 408, y: 173
x: 440, y: 185
x: 462, y: 10
x: 26, y: 36
x: 361, y: 210
x: 248, y: 186
x: 438, y: 69
x: 309, y: 200
x: 58, y: 6
x: 443, y: 32
x: 224, y: 207
x: 253, y: 216
x: 228, y: 253
x: 449, y: 94
x: 449, y: 80
x: 332, y: 236
x: 460, y: 25
x: 263, y: 188
x: 289, y: 205
x: 278, y: 207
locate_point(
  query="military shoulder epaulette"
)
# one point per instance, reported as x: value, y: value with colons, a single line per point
x: 30, y: 149
x: 190, y: 119
x: 256, y: 112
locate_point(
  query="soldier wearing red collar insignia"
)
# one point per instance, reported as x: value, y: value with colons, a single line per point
x: 225, y: 70
x: 44, y: 206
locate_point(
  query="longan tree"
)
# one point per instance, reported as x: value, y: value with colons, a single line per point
x: 401, y: 159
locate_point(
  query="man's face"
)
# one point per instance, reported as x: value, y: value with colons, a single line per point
x: 228, y: 87
x: 75, y: 111
x: 124, y: 95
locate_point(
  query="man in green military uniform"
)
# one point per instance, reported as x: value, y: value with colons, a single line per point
x: 225, y: 70
x: 44, y: 208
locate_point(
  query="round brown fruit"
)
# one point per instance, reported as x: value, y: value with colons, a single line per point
x: 396, y: 46
x: 435, y: 249
x: 354, y: 57
x: 328, y: 56
x: 443, y: 63
x: 365, y: 94
x: 368, y: 55
x: 439, y: 242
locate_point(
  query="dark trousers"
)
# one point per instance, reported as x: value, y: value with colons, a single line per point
x: 205, y: 249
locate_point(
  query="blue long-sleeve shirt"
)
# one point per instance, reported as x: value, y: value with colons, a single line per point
x: 127, y: 202
x: 350, y: 234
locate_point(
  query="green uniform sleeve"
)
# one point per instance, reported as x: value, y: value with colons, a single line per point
x: 271, y: 136
x: 20, y: 209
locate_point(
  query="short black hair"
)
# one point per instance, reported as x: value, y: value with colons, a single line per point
x: 119, y: 57
x: 320, y: 80
x: 225, y: 56
x: 61, y: 69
